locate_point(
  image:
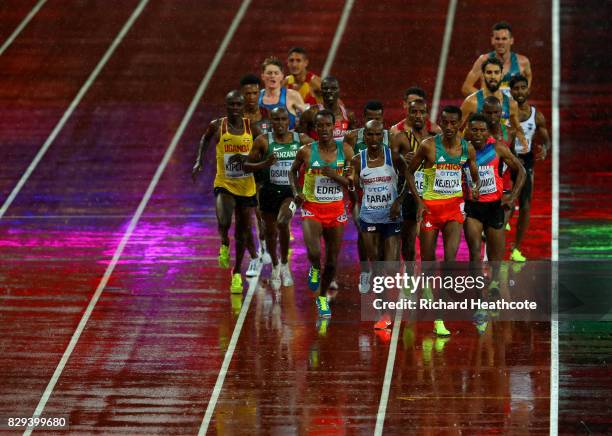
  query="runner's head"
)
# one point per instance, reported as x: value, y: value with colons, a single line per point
x: 492, y: 73
x: 450, y: 121
x: 297, y: 61
x: 501, y: 38
x: 249, y: 87
x: 373, y: 134
x: 272, y: 72
x: 279, y: 118
x: 373, y: 110
x: 492, y: 110
x: 477, y: 131
x: 324, y: 125
x: 411, y: 94
x: 234, y: 103
x: 330, y: 88
x: 417, y: 114
x: 519, y: 88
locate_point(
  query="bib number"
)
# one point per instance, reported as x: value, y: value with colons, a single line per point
x: 327, y: 190
x: 233, y: 167
x: 447, y: 182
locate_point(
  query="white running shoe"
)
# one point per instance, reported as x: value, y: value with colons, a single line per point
x: 364, y: 282
x: 254, y: 265
x: 333, y: 284
x: 285, y: 273
x: 262, y: 253
x: 275, y: 278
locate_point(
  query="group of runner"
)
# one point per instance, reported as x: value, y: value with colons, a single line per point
x: 292, y: 144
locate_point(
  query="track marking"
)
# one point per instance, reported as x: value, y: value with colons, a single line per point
x: 554, y: 322
x: 21, y: 26
x: 143, y: 203
x: 448, y: 31
x: 331, y: 54
x: 384, y: 396
x: 60, y: 125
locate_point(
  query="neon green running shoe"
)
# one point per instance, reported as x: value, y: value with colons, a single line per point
x: 508, y: 228
x: 440, y: 329
x: 236, y: 287
x: 517, y: 256
x: 224, y: 255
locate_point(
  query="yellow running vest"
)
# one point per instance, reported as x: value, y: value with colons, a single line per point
x: 230, y: 174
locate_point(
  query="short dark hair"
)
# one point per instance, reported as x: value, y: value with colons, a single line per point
x: 249, y: 79
x: 492, y: 61
x: 325, y: 113
x: 477, y: 117
x: 516, y: 79
x: 453, y: 110
x: 414, y: 90
x: 491, y: 100
x: 298, y: 50
x: 502, y: 25
x: 373, y: 105
x: 330, y: 79
x: 272, y: 60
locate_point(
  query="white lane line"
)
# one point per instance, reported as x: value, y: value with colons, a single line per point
x: 554, y: 323
x: 448, y: 32
x: 210, y: 408
x: 384, y: 396
x: 21, y: 26
x: 331, y: 55
x: 60, y: 125
x: 141, y: 207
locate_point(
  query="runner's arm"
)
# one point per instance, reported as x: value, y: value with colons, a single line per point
x: 543, y: 134
x: 472, y: 77
x: 516, y: 124
x: 211, y: 131
x: 258, y: 151
x: 515, y: 165
x: 473, y: 172
x: 300, y: 158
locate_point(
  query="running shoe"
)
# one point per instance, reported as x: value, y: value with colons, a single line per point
x: 508, y: 228
x: 236, y: 301
x: 262, y: 253
x: 323, y: 307
x: 440, y: 329
x: 383, y: 323
x: 333, y: 284
x: 224, y: 255
x: 313, y: 278
x: 364, y: 282
x: 254, y: 266
x: 440, y: 343
x: 322, y: 324
x: 236, y: 287
x: 275, y: 278
x: 517, y: 256
x: 285, y: 274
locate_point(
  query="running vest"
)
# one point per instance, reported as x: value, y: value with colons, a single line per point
x: 360, y: 141
x: 529, y: 127
x: 341, y: 126
x: 305, y: 90
x: 505, y: 103
x: 379, y: 186
x: 282, y: 102
x: 231, y: 175
x: 514, y: 69
x: 489, y: 172
x: 317, y: 187
x: 278, y: 174
x: 443, y: 180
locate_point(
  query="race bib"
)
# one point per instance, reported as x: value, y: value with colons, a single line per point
x: 377, y: 197
x: 419, y: 182
x: 487, y: 180
x: 447, y: 182
x: 279, y: 172
x: 234, y: 169
x: 327, y: 190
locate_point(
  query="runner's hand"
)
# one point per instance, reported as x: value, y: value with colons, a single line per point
x: 409, y: 156
x: 299, y: 199
x: 396, y: 209
x: 421, y: 210
x: 329, y: 172
x: 196, y: 169
x: 541, y: 154
x: 507, y: 202
x: 271, y: 160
